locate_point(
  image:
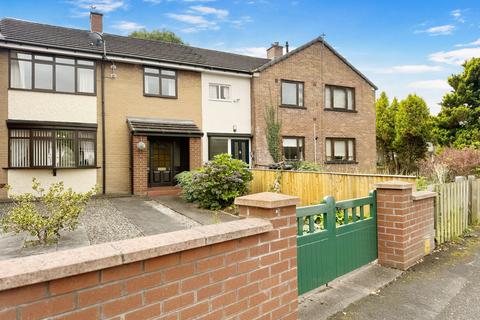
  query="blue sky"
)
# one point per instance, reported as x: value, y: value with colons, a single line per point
x: 402, y: 46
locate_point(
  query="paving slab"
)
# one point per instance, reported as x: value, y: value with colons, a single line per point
x: 343, y: 291
x: 192, y: 211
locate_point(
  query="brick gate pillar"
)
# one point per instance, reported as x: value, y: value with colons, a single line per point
x: 140, y: 166
x: 405, y: 224
x: 281, y: 253
x: 195, y: 152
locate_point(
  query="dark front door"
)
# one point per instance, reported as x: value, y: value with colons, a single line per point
x: 161, y: 163
x: 240, y: 150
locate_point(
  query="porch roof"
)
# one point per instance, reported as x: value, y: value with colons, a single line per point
x: 163, y: 127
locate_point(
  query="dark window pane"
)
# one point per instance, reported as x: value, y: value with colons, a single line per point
x: 86, y: 149
x: 65, y: 78
x: 43, y: 76
x: 218, y: 146
x: 21, y: 74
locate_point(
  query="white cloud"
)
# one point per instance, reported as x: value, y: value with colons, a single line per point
x: 410, y: 69
x: 127, y: 26
x: 219, y: 13
x: 100, y: 5
x: 457, y: 14
x: 260, y: 52
x: 473, y: 43
x: 238, y: 23
x: 443, y: 30
x: 437, y: 84
x: 153, y: 1
x: 458, y: 56
x: 199, y: 22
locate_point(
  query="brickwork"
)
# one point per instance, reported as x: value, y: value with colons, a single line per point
x: 316, y: 66
x: 405, y: 224
x: 244, y: 277
x: 195, y: 152
x: 140, y: 166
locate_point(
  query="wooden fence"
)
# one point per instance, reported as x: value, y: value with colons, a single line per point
x: 312, y: 187
x: 475, y: 201
x: 451, y: 210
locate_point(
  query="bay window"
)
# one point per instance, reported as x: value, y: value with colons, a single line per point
x: 52, y: 74
x: 340, y: 150
x: 339, y: 98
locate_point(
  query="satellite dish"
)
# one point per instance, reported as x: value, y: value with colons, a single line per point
x: 96, y: 39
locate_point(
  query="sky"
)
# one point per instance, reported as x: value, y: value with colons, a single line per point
x: 402, y: 46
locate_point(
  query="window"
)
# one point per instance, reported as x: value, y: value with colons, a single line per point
x: 46, y: 148
x: 219, y: 92
x: 339, y: 98
x: 160, y: 82
x: 216, y: 146
x: 50, y: 73
x: 340, y: 150
x: 292, y: 93
x: 293, y: 149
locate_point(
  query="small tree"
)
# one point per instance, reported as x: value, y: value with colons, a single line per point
x: 57, y: 209
x: 385, y: 125
x: 273, y: 133
x: 160, y: 35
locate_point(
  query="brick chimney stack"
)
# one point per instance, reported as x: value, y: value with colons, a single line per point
x: 96, y: 22
x: 274, y: 51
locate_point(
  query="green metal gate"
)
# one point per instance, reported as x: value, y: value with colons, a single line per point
x: 335, y: 238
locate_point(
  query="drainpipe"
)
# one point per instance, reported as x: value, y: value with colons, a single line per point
x: 104, y: 156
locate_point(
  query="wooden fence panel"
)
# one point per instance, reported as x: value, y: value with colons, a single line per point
x: 475, y: 201
x: 451, y: 210
x: 312, y: 187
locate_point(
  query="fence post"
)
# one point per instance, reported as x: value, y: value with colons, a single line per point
x: 405, y: 224
x: 472, y: 201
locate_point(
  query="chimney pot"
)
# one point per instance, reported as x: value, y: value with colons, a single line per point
x: 96, y: 22
x: 275, y: 51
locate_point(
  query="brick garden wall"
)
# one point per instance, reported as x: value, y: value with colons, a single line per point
x: 244, y: 269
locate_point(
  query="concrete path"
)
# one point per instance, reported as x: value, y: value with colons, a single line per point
x: 445, y: 286
x: 340, y: 293
x: 191, y: 210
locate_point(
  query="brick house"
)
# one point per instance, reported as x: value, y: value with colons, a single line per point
x: 326, y: 107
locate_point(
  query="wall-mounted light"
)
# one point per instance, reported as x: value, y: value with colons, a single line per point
x: 141, y: 145
x: 234, y: 128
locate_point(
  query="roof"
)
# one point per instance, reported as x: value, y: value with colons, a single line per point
x: 25, y: 32
x: 163, y: 127
x: 308, y: 44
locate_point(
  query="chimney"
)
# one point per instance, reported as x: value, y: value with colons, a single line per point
x: 274, y: 51
x: 96, y: 22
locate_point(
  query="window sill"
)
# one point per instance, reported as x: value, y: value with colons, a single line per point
x: 159, y: 96
x: 292, y: 107
x: 220, y: 100
x: 340, y: 110
x: 340, y: 162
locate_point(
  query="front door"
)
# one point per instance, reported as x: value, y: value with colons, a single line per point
x: 161, y: 163
x: 240, y: 150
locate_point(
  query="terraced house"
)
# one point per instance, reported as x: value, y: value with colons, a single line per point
x: 90, y: 108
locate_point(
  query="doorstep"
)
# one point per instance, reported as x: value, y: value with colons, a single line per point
x: 164, y: 191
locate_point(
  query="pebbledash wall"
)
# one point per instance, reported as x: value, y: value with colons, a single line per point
x: 316, y: 66
x: 245, y: 269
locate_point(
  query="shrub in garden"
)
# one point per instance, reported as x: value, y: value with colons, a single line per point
x: 306, y: 166
x: 217, y: 183
x: 46, y: 213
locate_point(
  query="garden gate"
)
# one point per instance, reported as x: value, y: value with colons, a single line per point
x: 335, y: 238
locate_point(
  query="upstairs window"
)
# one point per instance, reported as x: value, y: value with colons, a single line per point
x: 293, y: 149
x: 292, y: 93
x: 53, y: 74
x: 340, y: 150
x: 339, y: 98
x: 219, y: 92
x: 160, y: 82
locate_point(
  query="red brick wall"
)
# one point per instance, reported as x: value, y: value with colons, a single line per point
x: 253, y: 277
x: 195, y: 150
x: 405, y: 227
x: 140, y: 165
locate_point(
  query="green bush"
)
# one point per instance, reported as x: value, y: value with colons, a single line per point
x: 45, y: 214
x: 217, y: 183
x: 306, y: 166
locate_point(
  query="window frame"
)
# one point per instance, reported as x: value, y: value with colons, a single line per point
x: 332, y: 87
x: 303, y: 148
x: 332, y: 141
x: 295, y: 106
x: 160, y: 76
x: 220, y: 85
x: 53, y: 63
x: 53, y: 139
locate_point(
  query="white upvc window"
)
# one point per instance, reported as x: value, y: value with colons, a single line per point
x: 219, y: 92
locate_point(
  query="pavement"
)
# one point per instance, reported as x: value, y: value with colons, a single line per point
x: 446, y: 285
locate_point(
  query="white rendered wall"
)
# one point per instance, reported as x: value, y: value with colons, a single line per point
x: 222, y: 116
x: 45, y: 106
x: 80, y: 180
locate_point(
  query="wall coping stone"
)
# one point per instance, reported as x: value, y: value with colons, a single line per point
x: 49, y: 266
x: 394, y: 184
x: 420, y: 195
x: 267, y: 200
